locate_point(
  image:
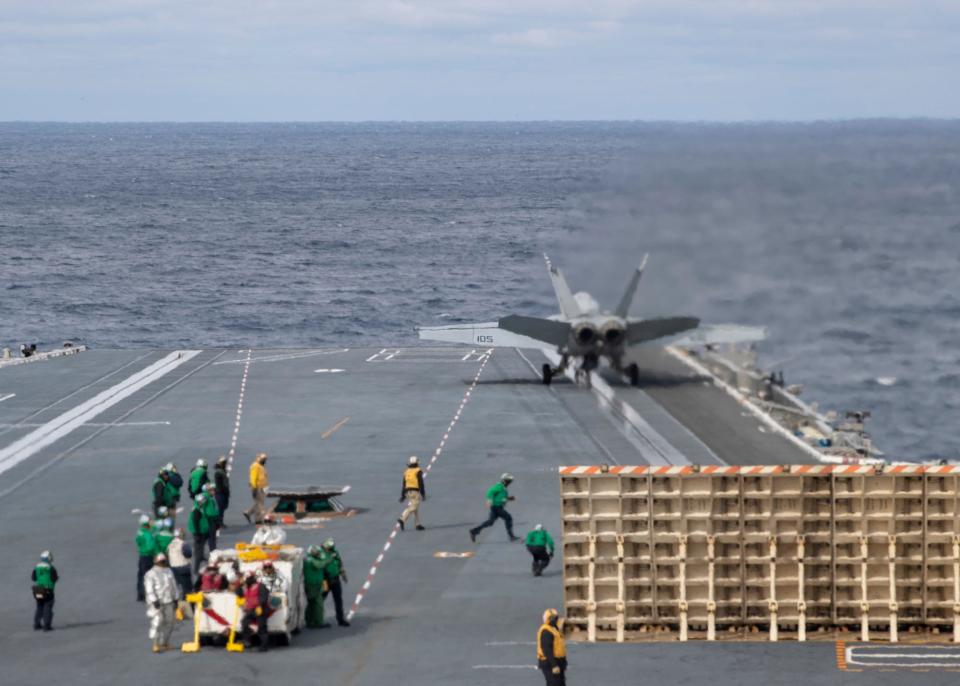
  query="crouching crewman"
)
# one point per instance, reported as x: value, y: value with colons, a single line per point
x: 255, y: 599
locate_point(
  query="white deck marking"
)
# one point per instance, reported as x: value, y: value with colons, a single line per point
x: 7, y: 396
x: 282, y: 357
x: 426, y: 472
x: 232, y: 453
x: 57, y: 428
x: 328, y: 371
x: 904, y: 656
x: 30, y: 426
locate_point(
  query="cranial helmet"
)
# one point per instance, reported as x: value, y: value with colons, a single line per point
x: 144, y: 519
x: 538, y: 527
x: 201, y: 498
x: 412, y: 461
x: 46, y: 556
x: 549, y: 614
x: 328, y: 544
x: 201, y: 462
x: 506, y: 477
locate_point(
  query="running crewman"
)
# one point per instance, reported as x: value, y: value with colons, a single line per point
x: 497, y: 497
x: 413, y: 491
x: 540, y: 546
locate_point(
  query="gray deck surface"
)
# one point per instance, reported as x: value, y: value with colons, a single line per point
x: 424, y: 620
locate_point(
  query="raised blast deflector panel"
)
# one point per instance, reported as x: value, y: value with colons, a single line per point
x: 763, y: 553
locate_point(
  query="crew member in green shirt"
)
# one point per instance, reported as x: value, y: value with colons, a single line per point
x: 146, y: 549
x: 333, y: 572
x: 497, y: 497
x: 44, y: 579
x: 540, y: 546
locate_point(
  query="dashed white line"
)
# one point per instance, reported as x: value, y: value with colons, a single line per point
x: 232, y: 453
x: 7, y: 396
x: 433, y: 460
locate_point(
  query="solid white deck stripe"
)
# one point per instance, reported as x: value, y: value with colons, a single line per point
x: 57, y: 428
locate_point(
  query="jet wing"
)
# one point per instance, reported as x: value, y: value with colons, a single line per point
x: 487, y: 334
x: 712, y: 334
x: 721, y: 334
x: 551, y: 331
x: 646, y: 330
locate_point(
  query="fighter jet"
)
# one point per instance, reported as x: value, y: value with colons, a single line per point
x: 584, y: 332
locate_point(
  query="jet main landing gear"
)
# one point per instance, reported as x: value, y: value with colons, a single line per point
x: 550, y: 372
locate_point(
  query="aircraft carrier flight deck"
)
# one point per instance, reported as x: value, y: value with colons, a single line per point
x: 82, y: 437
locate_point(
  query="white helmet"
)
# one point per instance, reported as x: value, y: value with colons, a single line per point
x: 506, y: 476
x: 46, y: 556
x: 167, y: 523
x: 162, y: 511
x: 201, y: 498
x: 538, y: 527
x: 412, y: 461
x: 160, y: 558
x: 169, y: 467
x: 144, y: 519
x: 201, y: 462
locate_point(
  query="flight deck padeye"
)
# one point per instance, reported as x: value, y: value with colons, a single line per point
x: 787, y: 552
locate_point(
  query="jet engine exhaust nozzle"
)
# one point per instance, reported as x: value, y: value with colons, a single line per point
x: 613, y: 334
x: 585, y: 334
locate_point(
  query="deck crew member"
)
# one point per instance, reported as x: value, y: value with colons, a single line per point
x: 164, y: 535
x: 259, y: 480
x: 164, y: 493
x: 255, y: 599
x: 176, y: 481
x: 179, y: 553
x: 198, y: 478
x: 162, y: 596
x: 146, y: 549
x: 275, y: 583
x: 540, y: 545
x: 269, y: 533
x: 413, y: 491
x: 44, y: 579
x: 212, y: 511
x: 315, y: 584
x: 333, y: 573
x: 199, y: 526
x: 497, y: 497
x: 221, y: 481
x: 552, y: 650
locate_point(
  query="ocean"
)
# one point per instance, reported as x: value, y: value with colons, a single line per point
x: 842, y: 238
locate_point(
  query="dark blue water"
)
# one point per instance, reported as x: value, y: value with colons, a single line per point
x: 843, y: 239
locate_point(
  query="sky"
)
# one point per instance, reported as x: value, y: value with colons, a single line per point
x: 429, y: 60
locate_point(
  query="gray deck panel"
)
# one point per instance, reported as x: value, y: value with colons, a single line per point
x: 424, y: 620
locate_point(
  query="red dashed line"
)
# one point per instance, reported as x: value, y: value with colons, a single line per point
x: 433, y: 460
x: 236, y: 425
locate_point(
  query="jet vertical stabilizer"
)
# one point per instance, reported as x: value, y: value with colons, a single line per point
x: 569, y: 307
x: 623, y: 309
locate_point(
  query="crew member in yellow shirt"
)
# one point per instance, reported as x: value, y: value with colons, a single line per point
x: 258, y: 487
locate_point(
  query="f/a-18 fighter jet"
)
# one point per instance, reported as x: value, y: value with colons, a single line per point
x: 582, y: 331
